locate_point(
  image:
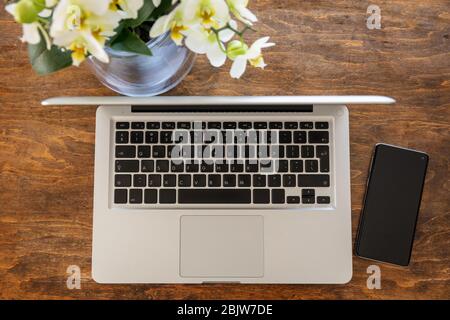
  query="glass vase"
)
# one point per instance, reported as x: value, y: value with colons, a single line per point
x: 143, y: 76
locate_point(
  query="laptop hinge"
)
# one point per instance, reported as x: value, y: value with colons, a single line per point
x: 222, y: 108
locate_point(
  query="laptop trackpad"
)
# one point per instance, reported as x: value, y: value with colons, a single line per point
x: 222, y: 246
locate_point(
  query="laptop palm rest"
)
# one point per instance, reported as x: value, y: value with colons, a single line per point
x: 222, y: 246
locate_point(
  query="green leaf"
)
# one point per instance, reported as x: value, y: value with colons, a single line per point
x: 48, y: 61
x: 163, y: 9
x: 143, y: 14
x: 130, y: 42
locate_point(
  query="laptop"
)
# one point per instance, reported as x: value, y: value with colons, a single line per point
x: 222, y: 189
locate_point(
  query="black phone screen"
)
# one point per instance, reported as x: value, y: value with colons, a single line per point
x: 391, y: 206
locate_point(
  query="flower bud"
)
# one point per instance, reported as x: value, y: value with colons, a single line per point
x: 27, y: 11
x: 236, y: 48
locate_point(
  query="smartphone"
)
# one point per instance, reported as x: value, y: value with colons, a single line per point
x: 391, y: 205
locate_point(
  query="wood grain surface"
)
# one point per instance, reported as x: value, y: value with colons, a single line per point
x: 323, y: 47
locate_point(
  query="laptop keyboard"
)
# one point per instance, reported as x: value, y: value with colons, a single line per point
x: 240, y: 163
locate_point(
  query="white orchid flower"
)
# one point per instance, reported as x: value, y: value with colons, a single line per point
x: 209, y: 13
x: 173, y: 22
x: 31, y: 31
x: 130, y: 8
x: 240, y: 53
x: 239, y: 9
x: 204, y: 41
x: 83, y: 26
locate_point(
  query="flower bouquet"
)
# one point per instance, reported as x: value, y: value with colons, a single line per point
x: 61, y: 33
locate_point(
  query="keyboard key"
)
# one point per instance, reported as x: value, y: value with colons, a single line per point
x: 308, y: 192
x: 207, y: 167
x: 135, y: 196
x: 323, y: 200
x: 184, y: 180
x: 318, y: 137
x: 122, y: 180
x: 162, y: 165
x: 122, y: 125
x: 267, y: 166
x: 169, y: 180
x: 192, y: 167
x: 199, y: 180
x: 308, y: 199
x: 158, y: 151
x: 313, y: 180
x: 260, y: 125
x: 292, y: 152
x: 222, y: 167
x: 154, y: 180
x: 323, y: 153
x: 285, y: 137
x: 177, y: 167
x: 232, y: 152
x: 167, y: 196
x: 251, y: 166
x: 289, y: 180
x: 214, y: 196
x: 184, y: 125
x: 137, y: 137
x: 296, y: 166
x: 137, y: 125
x: 263, y: 151
x: 261, y: 196
x: 229, y: 180
x: 244, y: 180
x: 143, y: 152
x: 322, y: 125
x: 236, y: 167
x: 249, y: 152
x: 276, y: 125
x: 214, y: 125
x: 274, y: 180
x: 150, y: 196
x: 293, y: 200
x: 300, y: 137
x: 291, y: 125
x: 153, y: 125
x: 306, y: 125
x: 199, y: 125
x: 229, y: 125
x: 307, y: 151
x: 151, y: 137
x: 214, y: 180
x: 122, y: 137
x: 259, y: 180
x: 166, y: 136
x: 245, y: 125
x: 168, y: 125
x: 127, y: 165
x: 147, y: 165
x: 125, y: 151
x: 282, y: 165
x: 277, y: 152
x: 120, y: 196
x: 312, y: 166
x: 278, y: 196
x: 139, y: 180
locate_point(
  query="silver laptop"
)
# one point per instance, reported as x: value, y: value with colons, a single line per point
x: 222, y: 189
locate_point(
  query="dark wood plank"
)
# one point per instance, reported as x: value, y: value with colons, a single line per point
x: 323, y: 47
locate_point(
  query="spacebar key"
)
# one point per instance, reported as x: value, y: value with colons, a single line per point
x: 214, y: 196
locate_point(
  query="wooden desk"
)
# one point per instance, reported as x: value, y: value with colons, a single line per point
x: 323, y: 47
